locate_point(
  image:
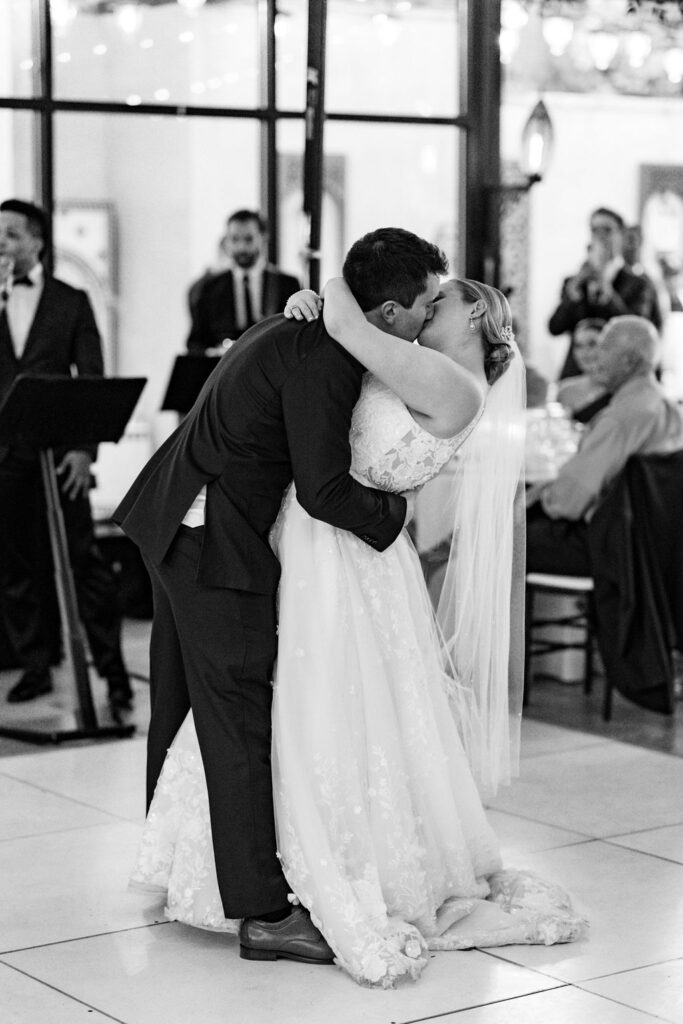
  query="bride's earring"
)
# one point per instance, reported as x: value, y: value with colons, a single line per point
x: 473, y: 325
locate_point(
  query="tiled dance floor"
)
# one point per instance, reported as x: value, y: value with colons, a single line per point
x: 601, y: 817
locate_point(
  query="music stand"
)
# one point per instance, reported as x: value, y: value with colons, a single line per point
x: 188, y: 376
x: 47, y: 412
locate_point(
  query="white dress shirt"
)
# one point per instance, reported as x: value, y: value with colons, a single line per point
x: 21, y: 306
x: 255, y: 275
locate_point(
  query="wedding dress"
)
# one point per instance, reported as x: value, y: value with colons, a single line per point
x: 381, y: 831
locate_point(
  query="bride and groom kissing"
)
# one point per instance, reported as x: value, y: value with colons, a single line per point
x: 317, y: 733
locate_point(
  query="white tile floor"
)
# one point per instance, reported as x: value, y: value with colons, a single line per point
x: 603, y: 818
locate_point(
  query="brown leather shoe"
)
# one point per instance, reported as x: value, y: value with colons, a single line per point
x: 294, y: 938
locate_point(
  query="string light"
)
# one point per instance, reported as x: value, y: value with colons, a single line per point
x: 638, y: 46
x: 673, y: 65
x: 603, y: 48
x: 388, y: 29
x: 513, y: 16
x: 508, y: 41
x: 62, y: 13
x: 129, y: 18
x: 558, y: 33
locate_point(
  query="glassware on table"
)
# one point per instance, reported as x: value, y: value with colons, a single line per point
x: 551, y: 439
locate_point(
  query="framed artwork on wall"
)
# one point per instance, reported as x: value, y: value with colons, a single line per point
x: 86, y: 256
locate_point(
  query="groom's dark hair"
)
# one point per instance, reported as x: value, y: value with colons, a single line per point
x: 391, y: 263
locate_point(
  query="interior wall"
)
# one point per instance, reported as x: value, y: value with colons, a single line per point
x: 601, y: 142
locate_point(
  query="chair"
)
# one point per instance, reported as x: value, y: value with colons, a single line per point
x: 581, y: 620
x: 636, y: 546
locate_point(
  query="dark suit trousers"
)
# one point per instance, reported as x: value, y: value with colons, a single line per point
x: 556, y: 545
x: 28, y: 601
x: 213, y: 649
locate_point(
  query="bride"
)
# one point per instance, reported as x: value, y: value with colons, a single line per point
x: 387, y: 718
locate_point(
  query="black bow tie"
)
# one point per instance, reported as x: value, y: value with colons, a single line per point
x: 26, y: 280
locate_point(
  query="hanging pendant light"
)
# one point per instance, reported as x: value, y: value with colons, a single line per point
x: 537, y: 143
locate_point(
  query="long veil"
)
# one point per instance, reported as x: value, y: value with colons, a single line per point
x: 480, y: 611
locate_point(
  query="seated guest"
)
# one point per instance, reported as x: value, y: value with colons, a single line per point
x: 638, y: 419
x: 536, y: 388
x: 583, y: 390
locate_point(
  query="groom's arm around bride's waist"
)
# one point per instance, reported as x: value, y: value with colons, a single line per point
x: 317, y: 403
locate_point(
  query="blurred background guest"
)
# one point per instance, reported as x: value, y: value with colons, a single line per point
x: 224, y: 304
x: 672, y: 278
x: 672, y: 332
x: 48, y: 327
x: 633, y: 244
x: 603, y: 286
x: 536, y: 387
x: 582, y: 396
x: 638, y: 419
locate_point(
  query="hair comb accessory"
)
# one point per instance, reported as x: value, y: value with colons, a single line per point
x: 507, y: 334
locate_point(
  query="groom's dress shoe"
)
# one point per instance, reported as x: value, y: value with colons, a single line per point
x: 294, y: 938
x: 31, y: 685
x: 120, y: 697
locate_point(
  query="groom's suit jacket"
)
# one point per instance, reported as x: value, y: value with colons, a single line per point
x: 63, y: 337
x: 212, y: 306
x: 277, y: 407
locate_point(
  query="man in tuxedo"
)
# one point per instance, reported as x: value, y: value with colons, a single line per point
x: 603, y: 287
x: 277, y: 407
x: 48, y: 327
x: 223, y: 305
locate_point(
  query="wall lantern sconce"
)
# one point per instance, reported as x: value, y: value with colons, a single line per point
x: 507, y: 201
x: 537, y: 144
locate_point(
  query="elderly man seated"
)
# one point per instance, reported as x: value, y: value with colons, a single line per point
x: 638, y: 419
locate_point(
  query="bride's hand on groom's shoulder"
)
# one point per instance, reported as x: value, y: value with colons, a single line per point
x: 303, y: 305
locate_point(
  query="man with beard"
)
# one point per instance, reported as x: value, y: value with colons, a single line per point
x: 224, y: 305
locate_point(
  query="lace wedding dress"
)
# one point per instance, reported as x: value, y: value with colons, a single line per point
x: 381, y: 831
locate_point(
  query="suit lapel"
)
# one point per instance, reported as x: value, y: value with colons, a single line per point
x: 225, y: 296
x: 41, y: 316
x: 269, y: 300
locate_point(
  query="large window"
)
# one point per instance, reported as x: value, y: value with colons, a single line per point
x: 163, y: 53
x: 140, y: 219
x: 18, y: 153
x: 18, y: 50
x: 142, y: 125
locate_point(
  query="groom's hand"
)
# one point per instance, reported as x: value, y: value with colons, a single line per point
x: 303, y: 305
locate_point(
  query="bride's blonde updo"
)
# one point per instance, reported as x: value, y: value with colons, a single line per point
x: 496, y: 326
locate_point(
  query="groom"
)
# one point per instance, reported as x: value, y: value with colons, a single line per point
x: 277, y: 408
